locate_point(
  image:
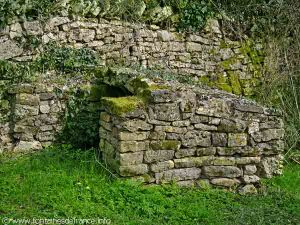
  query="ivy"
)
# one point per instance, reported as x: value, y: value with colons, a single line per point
x: 194, y: 15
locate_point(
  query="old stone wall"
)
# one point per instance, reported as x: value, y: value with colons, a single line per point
x: 207, y: 56
x: 193, y: 136
x: 37, y: 111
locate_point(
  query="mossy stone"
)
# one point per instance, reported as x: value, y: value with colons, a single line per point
x: 122, y: 105
x: 235, y: 83
x: 165, y: 145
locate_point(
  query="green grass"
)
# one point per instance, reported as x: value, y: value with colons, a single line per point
x: 62, y: 182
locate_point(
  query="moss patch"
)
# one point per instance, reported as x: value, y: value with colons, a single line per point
x: 165, y: 145
x: 235, y: 83
x: 122, y: 105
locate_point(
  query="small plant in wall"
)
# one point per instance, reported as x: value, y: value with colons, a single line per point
x: 194, y: 15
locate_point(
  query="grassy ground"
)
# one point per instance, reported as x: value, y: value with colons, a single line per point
x: 62, y: 182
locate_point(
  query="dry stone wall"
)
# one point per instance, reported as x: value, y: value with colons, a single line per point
x: 37, y: 111
x: 207, y: 56
x: 192, y: 136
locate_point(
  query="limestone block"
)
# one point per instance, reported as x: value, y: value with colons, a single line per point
x: 33, y: 28
x: 193, y: 161
x: 133, y: 170
x: 198, y: 38
x: 136, y: 136
x: 270, y: 166
x: 23, y: 111
x: 206, y: 151
x: 178, y: 175
x: 248, y: 189
x: 225, y: 182
x: 165, y: 145
x: 181, y: 153
x: 237, y: 140
x: 15, y: 30
x: 157, y: 135
x: 9, y: 49
x: 171, y: 129
x: 104, y: 116
x: 193, y: 47
x: 164, y: 35
x: 247, y: 160
x: 232, y: 126
x: 133, y: 146
x: 27, y: 99
x: 44, y: 108
x: 158, y: 155
x: 27, y: 146
x: 202, y: 126
x: 131, y: 158
x: 197, y: 138
x: 222, y: 171
x: 166, y: 112
x: 181, y: 123
x: 219, y: 139
x: 226, y: 151
x: 199, y: 119
x: 45, y: 136
x: 162, y: 166
x: 47, y: 96
x: 223, y: 161
x: 250, y: 169
x: 250, y: 179
x: 136, y: 125
x: 268, y: 135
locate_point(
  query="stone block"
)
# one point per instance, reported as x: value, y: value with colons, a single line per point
x: 193, y: 161
x: 268, y: 135
x: 237, y: 140
x: 165, y: 145
x: 33, y: 27
x: 178, y: 175
x: 104, y: 116
x: 136, y: 125
x: 162, y: 166
x: 206, y: 151
x: 133, y: 170
x: 219, y: 139
x: 9, y: 49
x: 224, y: 161
x: 166, y: 112
x: 226, y: 151
x: 27, y: 146
x: 248, y: 189
x: 136, y: 136
x: 197, y: 138
x: 45, y: 109
x: 202, y: 126
x: 250, y: 179
x: 181, y: 153
x: 222, y: 171
x: 133, y: 146
x: 158, y: 155
x: 247, y: 160
x: 232, y: 126
x: 157, y: 135
x: 131, y: 158
x: 225, y: 182
x: 250, y: 169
